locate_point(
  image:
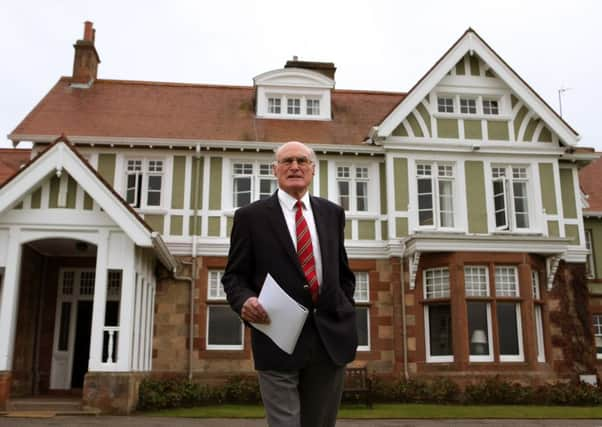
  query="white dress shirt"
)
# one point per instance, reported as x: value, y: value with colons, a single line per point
x: 287, y: 204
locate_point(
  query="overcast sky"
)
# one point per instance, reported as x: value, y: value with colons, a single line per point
x: 375, y: 45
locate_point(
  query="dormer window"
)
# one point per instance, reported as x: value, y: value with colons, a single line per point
x: 294, y: 93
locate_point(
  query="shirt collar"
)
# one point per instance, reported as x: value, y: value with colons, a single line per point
x: 289, y: 201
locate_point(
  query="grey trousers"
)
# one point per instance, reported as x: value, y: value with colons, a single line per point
x: 308, y: 397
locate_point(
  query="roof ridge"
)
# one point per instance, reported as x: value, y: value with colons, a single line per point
x: 157, y: 83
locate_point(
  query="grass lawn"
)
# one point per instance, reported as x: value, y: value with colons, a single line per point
x: 397, y: 410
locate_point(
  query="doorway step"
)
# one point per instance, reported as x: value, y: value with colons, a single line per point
x: 46, y: 407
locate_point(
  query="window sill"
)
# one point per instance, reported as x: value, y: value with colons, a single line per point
x: 466, y: 116
x: 151, y: 211
x: 440, y: 359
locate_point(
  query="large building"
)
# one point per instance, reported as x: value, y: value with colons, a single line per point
x: 464, y: 224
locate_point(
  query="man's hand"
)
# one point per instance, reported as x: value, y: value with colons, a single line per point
x: 252, y: 311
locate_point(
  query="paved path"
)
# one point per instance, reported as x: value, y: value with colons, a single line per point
x: 142, y: 421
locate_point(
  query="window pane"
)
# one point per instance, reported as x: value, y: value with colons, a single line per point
x: 478, y: 329
x: 440, y: 331
x: 506, y: 284
x: 224, y: 326
x: 362, y: 195
x: 499, y: 201
x: 436, y: 283
x: 242, y: 191
x: 508, y: 329
x: 215, y: 289
x: 541, y: 354
x: 445, y: 105
x: 425, y: 202
x: 266, y: 188
x: 293, y: 106
x: 361, y: 293
x: 154, y: 190
x: 520, y: 204
x: 344, y: 194
x: 446, y: 205
x: 63, y: 344
x: 597, y: 320
x: 535, y: 284
x: 590, y: 266
x: 475, y: 281
x: 362, y: 314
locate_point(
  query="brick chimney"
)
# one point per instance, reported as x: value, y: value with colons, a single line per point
x: 326, y: 68
x: 86, y: 60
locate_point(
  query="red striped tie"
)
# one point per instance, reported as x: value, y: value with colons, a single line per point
x: 305, y: 251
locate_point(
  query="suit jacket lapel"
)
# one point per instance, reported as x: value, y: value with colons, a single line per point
x: 278, y: 223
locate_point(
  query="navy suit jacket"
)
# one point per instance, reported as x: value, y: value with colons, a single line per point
x: 260, y: 243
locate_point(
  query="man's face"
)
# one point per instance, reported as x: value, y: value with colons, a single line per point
x: 294, y: 168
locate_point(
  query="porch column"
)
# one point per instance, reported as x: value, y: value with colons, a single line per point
x: 99, y: 304
x: 126, y: 309
x: 10, y: 300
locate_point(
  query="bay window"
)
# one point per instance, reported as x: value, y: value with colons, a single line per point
x: 225, y: 330
x: 435, y: 183
x: 510, y: 197
x: 437, y: 315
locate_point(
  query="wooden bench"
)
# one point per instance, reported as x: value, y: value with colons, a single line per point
x: 358, y: 384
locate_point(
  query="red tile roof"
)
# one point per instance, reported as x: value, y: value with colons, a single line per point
x: 590, y: 178
x: 115, y: 108
x: 11, y: 160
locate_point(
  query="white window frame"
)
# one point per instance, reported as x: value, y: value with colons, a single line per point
x: 442, y: 103
x: 216, y: 297
x: 141, y: 185
x: 474, y: 297
x: 312, y: 106
x: 538, y: 317
x: 590, y: 262
x: 507, y: 179
x: 255, y: 178
x: 501, y: 293
x: 597, y: 325
x: 362, y: 301
x: 429, y: 297
x: 485, y: 357
x: 436, y: 179
x: 352, y: 181
x: 488, y: 108
x: 470, y: 104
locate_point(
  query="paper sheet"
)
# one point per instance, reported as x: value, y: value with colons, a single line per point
x: 287, y: 316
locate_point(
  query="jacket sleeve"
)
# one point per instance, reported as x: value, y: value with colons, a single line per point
x: 237, y: 278
x: 346, y: 276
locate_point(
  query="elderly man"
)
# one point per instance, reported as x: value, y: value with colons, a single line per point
x: 297, y: 239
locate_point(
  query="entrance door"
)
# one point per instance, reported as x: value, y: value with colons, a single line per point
x: 72, y: 327
x: 81, y: 348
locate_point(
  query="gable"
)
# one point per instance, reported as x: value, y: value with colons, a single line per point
x: 483, y: 108
x: 59, y: 168
x: 471, y: 69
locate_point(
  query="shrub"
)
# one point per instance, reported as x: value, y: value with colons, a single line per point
x: 496, y: 390
x: 573, y: 394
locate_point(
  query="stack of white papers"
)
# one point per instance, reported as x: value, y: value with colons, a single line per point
x: 287, y: 316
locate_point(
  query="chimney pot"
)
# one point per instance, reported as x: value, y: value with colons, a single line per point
x: 89, y: 31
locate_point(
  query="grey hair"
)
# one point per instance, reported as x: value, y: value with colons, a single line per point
x: 312, y: 153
